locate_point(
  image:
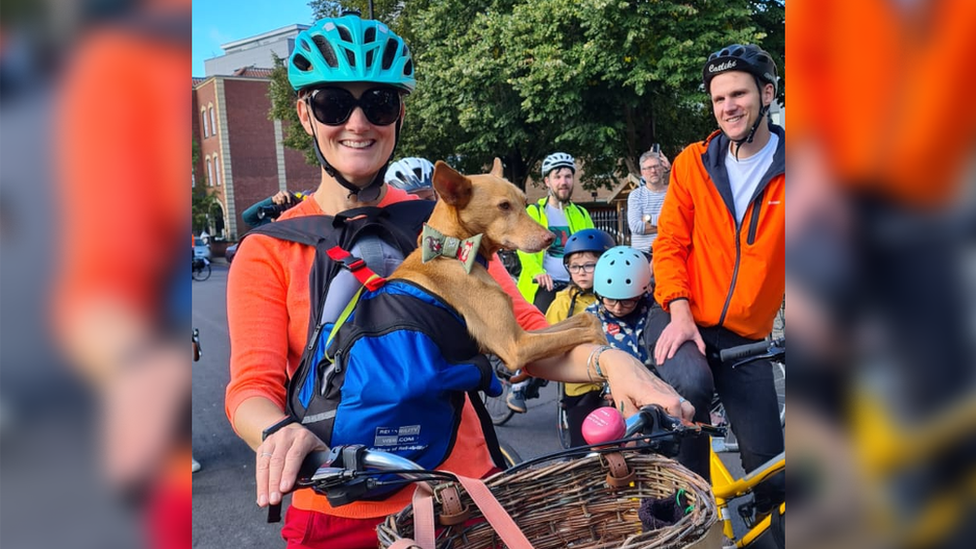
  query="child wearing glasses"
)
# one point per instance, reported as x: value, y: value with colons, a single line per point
x: 622, y: 286
x: 582, y: 250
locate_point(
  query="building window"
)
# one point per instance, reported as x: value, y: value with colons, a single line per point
x: 206, y: 128
x: 210, y: 179
x: 217, y: 169
x: 213, y: 125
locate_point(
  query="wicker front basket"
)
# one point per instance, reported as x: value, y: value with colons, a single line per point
x: 570, y: 504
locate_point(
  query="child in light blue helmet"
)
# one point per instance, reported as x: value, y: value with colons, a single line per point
x: 622, y: 285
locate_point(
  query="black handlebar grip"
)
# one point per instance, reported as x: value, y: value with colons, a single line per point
x: 312, y: 462
x: 744, y: 351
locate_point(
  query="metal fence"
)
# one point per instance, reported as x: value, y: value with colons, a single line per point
x: 611, y: 218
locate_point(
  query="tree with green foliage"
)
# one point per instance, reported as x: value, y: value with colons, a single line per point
x: 202, y: 202
x: 599, y: 79
x: 602, y: 80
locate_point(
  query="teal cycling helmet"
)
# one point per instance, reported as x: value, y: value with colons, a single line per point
x: 350, y: 49
x: 621, y: 273
x: 587, y: 240
x: 347, y: 49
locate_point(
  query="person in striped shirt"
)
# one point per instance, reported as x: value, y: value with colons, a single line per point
x: 644, y: 204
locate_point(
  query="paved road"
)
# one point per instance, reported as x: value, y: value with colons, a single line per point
x: 224, y: 513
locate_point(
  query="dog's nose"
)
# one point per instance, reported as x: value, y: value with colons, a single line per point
x: 549, y: 239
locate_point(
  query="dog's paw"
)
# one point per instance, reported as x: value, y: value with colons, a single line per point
x: 594, y: 329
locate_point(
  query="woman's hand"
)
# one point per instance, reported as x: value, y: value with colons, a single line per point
x: 278, y: 460
x: 634, y: 386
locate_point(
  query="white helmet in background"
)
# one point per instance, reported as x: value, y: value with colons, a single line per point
x: 557, y: 160
x: 410, y: 174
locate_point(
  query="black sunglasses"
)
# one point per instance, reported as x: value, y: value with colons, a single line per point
x: 333, y: 106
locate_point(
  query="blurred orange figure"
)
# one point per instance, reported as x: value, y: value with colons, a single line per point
x: 883, y: 85
x: 121, y: 132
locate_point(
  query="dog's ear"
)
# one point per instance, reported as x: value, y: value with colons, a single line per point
x: 452, y: 187
x: 497, y: 170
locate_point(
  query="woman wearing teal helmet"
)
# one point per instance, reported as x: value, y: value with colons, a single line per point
x: 350, y: 76
x: 341, y: 64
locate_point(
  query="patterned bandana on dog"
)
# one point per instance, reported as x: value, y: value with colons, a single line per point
x: 435, y: 244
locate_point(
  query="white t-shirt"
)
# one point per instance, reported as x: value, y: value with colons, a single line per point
x: 745, y: 174
x: 552, y: 261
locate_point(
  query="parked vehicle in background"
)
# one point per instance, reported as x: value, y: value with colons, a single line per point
x: 230, y: 252
x: 201, y: 249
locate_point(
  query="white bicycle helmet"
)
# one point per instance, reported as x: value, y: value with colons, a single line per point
x: 621, y: 273
x: 557, y: 160
x: 410, y: 174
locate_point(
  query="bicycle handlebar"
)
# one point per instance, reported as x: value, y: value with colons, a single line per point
x: 341, y: 473
x: 753, y: 350
x: 651, y: 425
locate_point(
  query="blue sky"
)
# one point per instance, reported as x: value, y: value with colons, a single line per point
x: 217, y: 22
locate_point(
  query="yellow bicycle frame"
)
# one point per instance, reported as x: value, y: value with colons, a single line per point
x: 726, y: 488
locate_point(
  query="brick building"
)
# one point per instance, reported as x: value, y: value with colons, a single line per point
x: 242, y: 158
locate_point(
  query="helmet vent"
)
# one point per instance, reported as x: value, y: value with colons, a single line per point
x: 344, y: 34
x: 389, y: 52
x: 325, y: 48
x: 301, y: 62
x: 369, y: 35
x: 408, y: 68
x: 369, y: 58
x: 351, y: 58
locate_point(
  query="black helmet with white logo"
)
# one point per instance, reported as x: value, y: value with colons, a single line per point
x: 749, y: 58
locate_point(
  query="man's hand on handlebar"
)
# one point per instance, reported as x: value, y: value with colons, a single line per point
x: 278, y: 460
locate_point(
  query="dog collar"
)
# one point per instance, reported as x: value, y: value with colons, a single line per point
x: 435, y: 244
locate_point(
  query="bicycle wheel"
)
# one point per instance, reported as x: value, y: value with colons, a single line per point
x: 512, y: 458
x: 562, y: 421
x: 497, y: 407
x: 202, y: 273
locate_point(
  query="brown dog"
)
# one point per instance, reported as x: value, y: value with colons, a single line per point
x: 491, y: 206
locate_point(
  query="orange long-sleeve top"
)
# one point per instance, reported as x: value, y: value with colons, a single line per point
x: 268, y: 313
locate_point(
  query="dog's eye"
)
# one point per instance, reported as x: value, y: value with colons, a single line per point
x: 505, y: 206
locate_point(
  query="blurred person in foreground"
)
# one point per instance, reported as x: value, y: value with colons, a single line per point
x: 880, y: 224
x: 122, y: 296
x: 719, y: 263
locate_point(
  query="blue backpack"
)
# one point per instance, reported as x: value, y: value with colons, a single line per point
x: 392, y: 370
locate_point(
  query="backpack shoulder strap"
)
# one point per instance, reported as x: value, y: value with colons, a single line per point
x: 306, y: 229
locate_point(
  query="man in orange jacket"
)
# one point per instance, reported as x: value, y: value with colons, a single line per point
x: 719, y: 262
